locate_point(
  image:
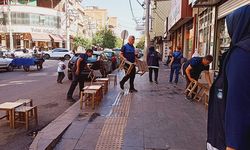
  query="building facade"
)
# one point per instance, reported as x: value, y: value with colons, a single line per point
x: 43, y: 24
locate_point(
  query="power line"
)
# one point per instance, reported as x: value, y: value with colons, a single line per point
x: 132, y: 12
x: 142, y: 4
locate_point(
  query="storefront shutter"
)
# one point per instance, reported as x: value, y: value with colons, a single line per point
x: 229, y: 6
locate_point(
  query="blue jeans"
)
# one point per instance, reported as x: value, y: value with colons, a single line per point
x: 175, y: 68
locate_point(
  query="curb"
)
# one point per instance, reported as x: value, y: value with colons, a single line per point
x: 47, y: 138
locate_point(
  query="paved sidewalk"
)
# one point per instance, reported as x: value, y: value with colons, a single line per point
x: 156, y: 118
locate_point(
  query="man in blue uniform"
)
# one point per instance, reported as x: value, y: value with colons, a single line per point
x: 78, y: 76
x: 128, y: 53
x: 175, y: 65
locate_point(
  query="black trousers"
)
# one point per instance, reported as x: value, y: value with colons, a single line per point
x: 60, y: 77
x: 156, y: 70
x: 76, y: 79
x: 130, y: 76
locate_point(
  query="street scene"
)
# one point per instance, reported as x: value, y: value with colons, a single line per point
x: 124, y: 75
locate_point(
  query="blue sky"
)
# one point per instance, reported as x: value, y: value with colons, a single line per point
x: 120, y: 9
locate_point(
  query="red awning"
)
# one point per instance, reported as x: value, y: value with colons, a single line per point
x: 56, y: 38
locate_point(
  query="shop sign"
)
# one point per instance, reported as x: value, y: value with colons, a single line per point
x: 39, y: 30
x: 175, y: 14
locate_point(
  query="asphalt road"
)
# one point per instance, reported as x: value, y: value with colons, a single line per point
x: 47, y: 94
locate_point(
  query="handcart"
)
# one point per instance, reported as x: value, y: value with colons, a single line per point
x: 27, y: 62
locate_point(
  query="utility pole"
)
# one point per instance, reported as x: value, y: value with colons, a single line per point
x: 67, y: 25
x: 147, y: 37
x: 10, y: 28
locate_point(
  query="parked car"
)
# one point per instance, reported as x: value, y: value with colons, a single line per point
x: 113, y: 57
x: 21, y: 53
x: 6, y: 63
x: 57, y: 53
x: 98, y: 61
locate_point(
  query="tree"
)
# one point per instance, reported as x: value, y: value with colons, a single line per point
x: 141, y: 43
x: 79, y: 41
x: 105, y: 38
x: 118, y: 43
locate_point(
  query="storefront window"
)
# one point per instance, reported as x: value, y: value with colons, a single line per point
x: 33, y: 19
x: 189, y: 35
x: 223, y: 40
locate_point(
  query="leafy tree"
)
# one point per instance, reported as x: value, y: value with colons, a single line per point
x: 141, y: 43
x: 105, y: 38
x: 118, y: 43
x: 79, y: 41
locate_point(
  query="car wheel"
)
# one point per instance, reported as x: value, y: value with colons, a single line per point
x: 66, y: 57
x: 10, y: 68
x: 46, y: 56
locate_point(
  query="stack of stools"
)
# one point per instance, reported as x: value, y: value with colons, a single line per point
x: 24, y: 113
x: 106, y: 83
x: 93, y: 94
x: 112, y: 77
x: 200, y: 91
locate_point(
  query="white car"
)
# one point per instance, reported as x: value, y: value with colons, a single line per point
x: 6, y: 63
x: 22, y: 53
x: 59, y: 52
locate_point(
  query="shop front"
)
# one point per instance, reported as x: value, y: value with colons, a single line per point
x: 179, y: 19
x: 223, y: 39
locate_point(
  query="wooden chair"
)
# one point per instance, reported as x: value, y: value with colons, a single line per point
x: 24, y: 114
x: 129, y: 69
x: 112, y: 77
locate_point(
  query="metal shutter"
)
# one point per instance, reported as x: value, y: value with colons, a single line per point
x: 229, y: 6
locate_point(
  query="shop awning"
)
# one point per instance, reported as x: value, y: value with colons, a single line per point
x: 56, y: 38
x: 71, y: 37
x: 40, y: 37
x: 205, y: 3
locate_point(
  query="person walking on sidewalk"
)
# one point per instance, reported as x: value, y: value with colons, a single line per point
x: 60, y: 70
x: 175, y: 65
x: 153, y: 58
x: 229, y: 102
x: 128, y: 54
x: 78, y: 76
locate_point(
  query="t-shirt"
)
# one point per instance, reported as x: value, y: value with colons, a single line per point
x: 129, y: 52
x: 61, y: 67
x: 83, y: 62
x: 177, y: 57
x: 197, y: 67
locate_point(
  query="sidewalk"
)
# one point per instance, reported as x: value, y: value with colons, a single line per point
x: 156, y: 118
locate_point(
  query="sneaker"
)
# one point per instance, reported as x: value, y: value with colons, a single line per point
x: 150, y: 81
x: 121, y: 85
x: 156, y: 82
x: 70, y: 99
x: 133, y: 90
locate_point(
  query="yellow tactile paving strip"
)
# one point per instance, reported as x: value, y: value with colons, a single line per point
x: 111, y: 137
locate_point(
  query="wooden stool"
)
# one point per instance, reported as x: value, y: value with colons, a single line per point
x: 112, y: 77
x: 106, y: 82
x: 200, y: 91
x: 25, y: 101
x: 206, y: 97
x: 93, y: 94
x: 129, y: 69
x: 142, y: 67
x: 191, y: 88
x: 100, y: 83
x: 27, y: 112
